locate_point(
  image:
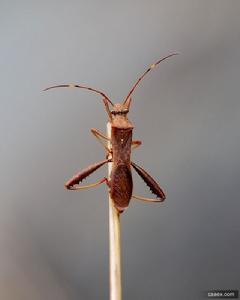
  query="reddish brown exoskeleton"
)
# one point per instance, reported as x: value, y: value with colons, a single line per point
x: 120, y: 183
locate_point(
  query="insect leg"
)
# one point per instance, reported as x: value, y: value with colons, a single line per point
x: 151, y: 183
x: 85, y: 187
x: 146, y: 199
x: 76, y: 179
x: 136, y: 144
x: 101, y: 136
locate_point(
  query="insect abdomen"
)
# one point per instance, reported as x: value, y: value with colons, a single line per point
x: 121, y: 186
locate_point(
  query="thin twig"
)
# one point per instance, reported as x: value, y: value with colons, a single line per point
x: 114, y: 243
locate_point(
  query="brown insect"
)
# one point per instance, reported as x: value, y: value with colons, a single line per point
x: 120, y: 183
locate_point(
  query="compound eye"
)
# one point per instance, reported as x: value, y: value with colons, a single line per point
x: 125, y: 111
x: 113, y: 112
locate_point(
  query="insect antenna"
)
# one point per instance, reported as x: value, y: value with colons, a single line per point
x: 81, y: 87
x: 148, y: 70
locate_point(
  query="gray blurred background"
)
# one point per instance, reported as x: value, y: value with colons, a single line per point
x: 54, y: 243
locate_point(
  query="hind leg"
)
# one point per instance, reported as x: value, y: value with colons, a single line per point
x: 76, y: 179
x: 151, y: 183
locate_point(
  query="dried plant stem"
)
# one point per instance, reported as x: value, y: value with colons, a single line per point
x: 114, y: 243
